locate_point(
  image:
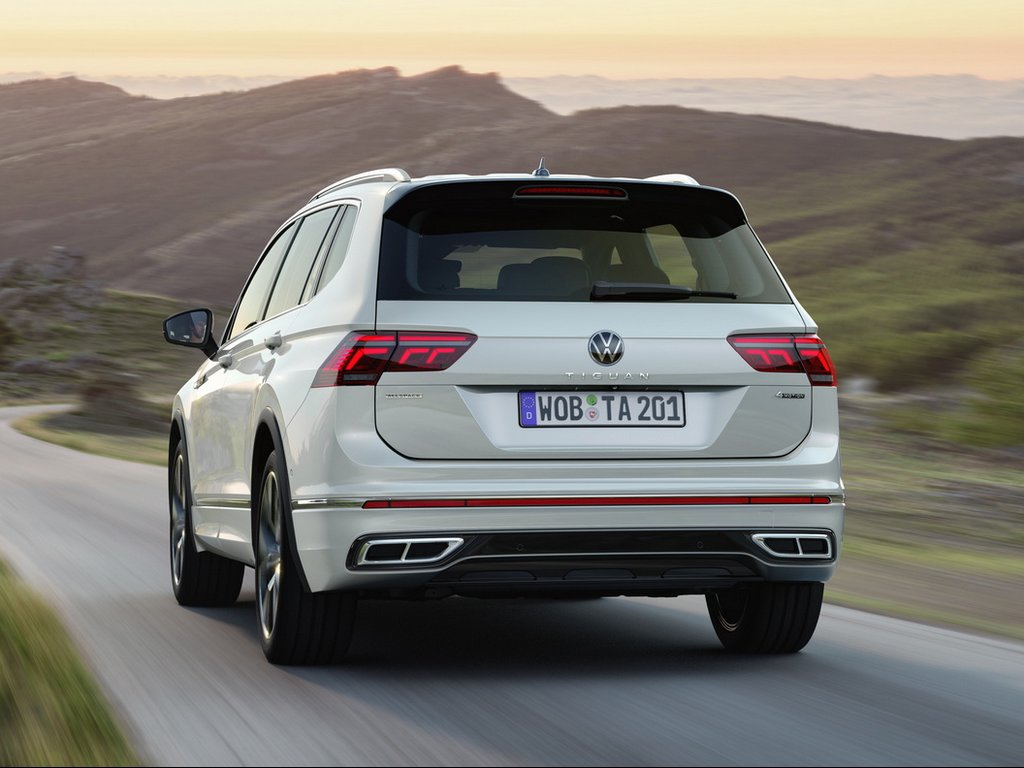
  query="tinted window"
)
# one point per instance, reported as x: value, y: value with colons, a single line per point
x: 478, y: 241
x: 339, y: 247
x: 306, y: 245
x: 250, y: 305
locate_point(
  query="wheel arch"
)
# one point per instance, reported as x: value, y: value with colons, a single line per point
x: 268, y: 439
x: 174, y: 434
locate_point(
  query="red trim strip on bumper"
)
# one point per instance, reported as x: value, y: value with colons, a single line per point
x: 595, y: 501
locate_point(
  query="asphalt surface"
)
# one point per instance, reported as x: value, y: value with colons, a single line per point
x: 618, y: 681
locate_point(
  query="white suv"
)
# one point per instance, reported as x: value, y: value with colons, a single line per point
x: 508, y: 385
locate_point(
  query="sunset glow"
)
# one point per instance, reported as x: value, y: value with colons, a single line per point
x: 643, y: 38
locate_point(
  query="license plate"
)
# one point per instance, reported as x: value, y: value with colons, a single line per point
x: 601, y: 409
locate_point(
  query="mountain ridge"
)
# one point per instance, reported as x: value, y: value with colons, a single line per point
x: 178, y: 197
x: 260, y: 151
x: 953, y: 106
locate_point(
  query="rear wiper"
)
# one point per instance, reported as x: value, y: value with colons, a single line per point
x: 604, y: 291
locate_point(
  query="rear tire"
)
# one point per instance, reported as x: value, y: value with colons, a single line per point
x: 198, y: 578
x: 296, y: 626
x: 766, y: 618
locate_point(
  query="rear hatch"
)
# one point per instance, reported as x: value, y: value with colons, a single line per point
x: 588, y: 321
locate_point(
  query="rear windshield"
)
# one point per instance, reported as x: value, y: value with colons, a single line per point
x: 479, y: 241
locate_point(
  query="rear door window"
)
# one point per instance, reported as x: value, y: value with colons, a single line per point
x: 299, y: 262
x: 339, y: 246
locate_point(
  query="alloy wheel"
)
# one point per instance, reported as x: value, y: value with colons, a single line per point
x: 731, y: 607
x: 268, y: 566
x: 179, y: 518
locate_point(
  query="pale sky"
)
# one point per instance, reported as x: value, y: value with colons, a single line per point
x: 613, y: 38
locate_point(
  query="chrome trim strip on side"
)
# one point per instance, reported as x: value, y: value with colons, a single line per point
x: 320, y: 503
x: 233, y: 503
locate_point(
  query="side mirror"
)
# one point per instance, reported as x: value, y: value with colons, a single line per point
x: 192, y: 328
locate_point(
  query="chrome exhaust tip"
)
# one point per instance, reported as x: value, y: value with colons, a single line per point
x: 407, y: 551
x: 815, y: 546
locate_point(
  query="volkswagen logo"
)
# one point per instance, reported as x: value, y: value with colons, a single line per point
x: 606, y: 347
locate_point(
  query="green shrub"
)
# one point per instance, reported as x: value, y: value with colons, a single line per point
x: 996, y: 414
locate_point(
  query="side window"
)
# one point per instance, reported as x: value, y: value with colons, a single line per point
x: 306, y: 245
x: 250, y: 305
x: 339, y: 247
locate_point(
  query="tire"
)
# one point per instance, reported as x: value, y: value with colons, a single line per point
x: 771, y: 617
x: 198, y: 578
x: 296, y: 626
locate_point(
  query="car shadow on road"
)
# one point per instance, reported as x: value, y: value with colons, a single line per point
x: 531, y: 636
x: 528, y: 636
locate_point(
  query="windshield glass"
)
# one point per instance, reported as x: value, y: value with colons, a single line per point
x: 451, y: 243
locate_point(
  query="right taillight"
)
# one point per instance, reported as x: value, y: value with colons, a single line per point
x: 788, y: 354
x: 361, y: 358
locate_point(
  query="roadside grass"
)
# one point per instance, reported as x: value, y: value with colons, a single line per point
x: 51, y: 712
x: 914, y: 612
x: 84, y: 433
x: 951, y: 559
x: 119, y: 338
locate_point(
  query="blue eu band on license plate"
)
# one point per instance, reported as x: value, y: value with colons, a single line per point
x: 601, y: 409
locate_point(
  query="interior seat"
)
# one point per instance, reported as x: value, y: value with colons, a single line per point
x: 547, y: 276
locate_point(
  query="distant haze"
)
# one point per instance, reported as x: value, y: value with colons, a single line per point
x: 947, y: 106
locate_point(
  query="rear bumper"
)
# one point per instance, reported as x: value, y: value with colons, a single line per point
x: 649, y: 550
x: 346, y: 464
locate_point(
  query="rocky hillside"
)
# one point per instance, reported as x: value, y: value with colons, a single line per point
x: 909, y: 251
x: 157, y: 192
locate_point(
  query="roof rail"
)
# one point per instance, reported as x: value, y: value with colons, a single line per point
x: 678, y: 178
x: 381, y: 174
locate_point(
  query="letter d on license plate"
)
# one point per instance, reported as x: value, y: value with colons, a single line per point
x: 601, y: 409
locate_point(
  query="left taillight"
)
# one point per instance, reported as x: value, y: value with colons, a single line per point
x: 788, y: 354
x: 361, y: 358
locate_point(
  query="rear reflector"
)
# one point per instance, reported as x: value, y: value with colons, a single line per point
x: 788, y: 354
x: 546, y: 190
x: 361, y: 358
x: 594, y: 501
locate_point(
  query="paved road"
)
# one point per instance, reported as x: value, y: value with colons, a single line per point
x: 618, y: 681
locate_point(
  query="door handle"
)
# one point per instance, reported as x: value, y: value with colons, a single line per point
x: 273, y: 341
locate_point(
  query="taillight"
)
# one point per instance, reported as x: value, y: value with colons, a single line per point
x: 788, y: 354
x: 817, y: 361
x: 429, y: 351
x: 362, y: 358
x: 359, y: 359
